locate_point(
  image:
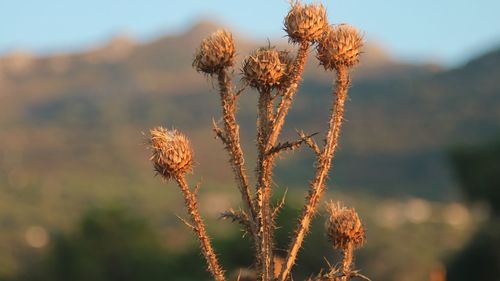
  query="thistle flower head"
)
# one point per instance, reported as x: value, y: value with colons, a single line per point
x: 305, y: 22
x: 344, y: 227
x: 339, y: 46
x: 263, y: 69
x: 172, y: 154
x: 216, y: 52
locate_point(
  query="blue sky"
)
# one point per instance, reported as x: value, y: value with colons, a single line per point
x: 450, y: 31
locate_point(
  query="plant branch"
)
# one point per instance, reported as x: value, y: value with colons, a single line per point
x: 232, y: 143
x: 266, y: 162
x: 311, y: 143
x: 281, y: 147
x: 347, y: 257
x: 264, y: 119
x: 264, y: 169
x: 317, y: 185
x: 239, y: 217
x: 291, y: 87
x: 199, y: 228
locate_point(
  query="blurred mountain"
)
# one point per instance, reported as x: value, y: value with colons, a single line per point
x: 82, y: 114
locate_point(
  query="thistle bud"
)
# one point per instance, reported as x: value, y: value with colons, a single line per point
x: 339, y: 46
x: 172, y: 154
x: 306, y: 22
x: 287, y: 60
x: 215, y: 53
x: 344, y: 227
x: 263, y: 69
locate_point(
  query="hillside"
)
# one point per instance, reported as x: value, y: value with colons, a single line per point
x: 82, y: 114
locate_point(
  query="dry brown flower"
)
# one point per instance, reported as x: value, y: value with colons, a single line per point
x: 287, y: 60
x: 344, y: 228
x: 215, y: 53
x: 306, y: 22
x: 340, y: 46
x: 172, y: 154
x: 172, y: 158
x: 263, y: 69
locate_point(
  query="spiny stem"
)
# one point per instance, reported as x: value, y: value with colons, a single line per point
x: 231, y: 128
x: 347, y: 257
x: 317, y: 185
x: 264, y: 119
x: 199, y: 228
x: 288, y: 93
x: 264, y: 185
x: 233, y: 146
x: 265, y: 221
x: 265, y: 163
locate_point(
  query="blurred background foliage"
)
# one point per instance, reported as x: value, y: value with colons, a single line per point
x: 478, y: 169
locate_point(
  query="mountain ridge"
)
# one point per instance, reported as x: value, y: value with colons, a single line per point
x: 83, y: 113
x: 122, y: 46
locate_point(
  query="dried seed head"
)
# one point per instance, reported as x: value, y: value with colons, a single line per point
x: 339, y: 46
x: 263, y: 69
x: 215, y: 53
x: 287, y: 60
x: 344, y: 227
x: 306, y: 22
x: 172, y: 154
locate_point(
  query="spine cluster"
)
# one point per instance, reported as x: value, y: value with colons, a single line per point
x: 276, y: 75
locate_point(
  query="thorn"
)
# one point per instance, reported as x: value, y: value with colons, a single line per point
x: 185, y: 222
x: 359, y: 275
x: 196, y: 189
x: 310, y: 142
x: 240, y: 217
x: 327, y: 262
x: 218, y: 132
x: 280, y: 147
x: 240, y: 91
x: 280, y: 205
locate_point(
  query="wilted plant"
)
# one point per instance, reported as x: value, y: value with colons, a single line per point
x: 275, y: 75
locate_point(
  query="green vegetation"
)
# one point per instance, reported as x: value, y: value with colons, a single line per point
x: 108, y: 245
x: 155, y: 241
x: 478, y: 169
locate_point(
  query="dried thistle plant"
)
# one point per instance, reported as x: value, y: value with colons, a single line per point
x: 276, y: 75
x: 346, y: 233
